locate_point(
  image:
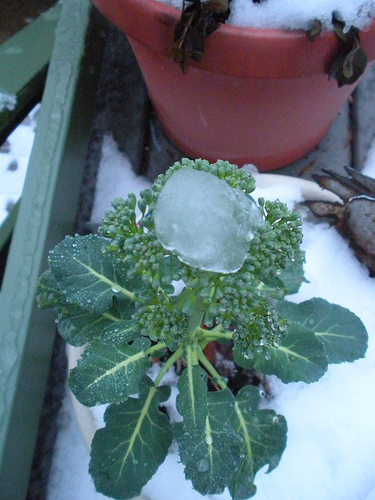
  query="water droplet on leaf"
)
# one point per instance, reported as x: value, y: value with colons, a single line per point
x: 202, y: 465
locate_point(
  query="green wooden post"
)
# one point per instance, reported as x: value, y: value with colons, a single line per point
x: 47, y: 212
x: 24, y: 62
x: 23, y: 67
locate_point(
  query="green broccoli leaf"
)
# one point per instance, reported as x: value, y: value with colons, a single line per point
x: 79, y: 326
x: 108, y: 374
x: 121, y: 332
x: 289, y: 281
x: 263, y: 434
x: 292, y: 276
x: 48, y: 294
x: 342, y: 333
x: 192, y: 399
x: 300, y: 357
x: 210, y: 454
x: 89, y: 276
x: 127, y: 452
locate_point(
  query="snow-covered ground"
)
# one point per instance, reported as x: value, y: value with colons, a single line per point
x: 14, y: 157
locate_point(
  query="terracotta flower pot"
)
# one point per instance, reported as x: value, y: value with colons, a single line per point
x: 259, y: 95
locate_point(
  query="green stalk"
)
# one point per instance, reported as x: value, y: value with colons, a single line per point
x: 168, y: 364
x: 191, y: 356
x: 215, y: 333
x: 211, y: 370
x: 196, y: 318
x: 156, y: 347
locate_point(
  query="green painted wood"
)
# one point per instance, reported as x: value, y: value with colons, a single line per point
x: 47, y: 212
x: 7, y: 225
x: 24, y: 60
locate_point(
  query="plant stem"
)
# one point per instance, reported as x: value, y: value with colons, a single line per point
x: 195, y: 319
x: 211, y: 370
x: 156, y: 347
x: 168, y: 364
x: 215, y: 333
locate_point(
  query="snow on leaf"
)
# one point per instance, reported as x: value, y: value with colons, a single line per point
x: 210, y: 454
x: 127, y: 452
x: 89, y: 276
x: 109, y: 374
x: 263, y: 435
x: 341, y: 332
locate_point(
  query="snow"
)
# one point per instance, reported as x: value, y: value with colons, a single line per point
x: 299, y: 15
x: 14, y: 158
x: 115, y: 172
x: 199, y: 227
x: 331, y: 440
x: 293, y: 14
x: 369, y: 166
x: 7, y: 101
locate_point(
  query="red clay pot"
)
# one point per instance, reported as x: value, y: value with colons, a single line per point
x: 259, y: 96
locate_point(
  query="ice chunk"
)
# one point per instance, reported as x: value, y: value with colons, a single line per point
x: 203, y: 220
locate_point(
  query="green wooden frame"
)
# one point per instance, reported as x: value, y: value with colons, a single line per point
x: 47, y: 212
x: 24, y: 60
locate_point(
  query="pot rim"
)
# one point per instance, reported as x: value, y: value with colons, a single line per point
x: 259, y: 52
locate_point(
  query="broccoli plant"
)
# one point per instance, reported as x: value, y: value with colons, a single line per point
x: 205, y: 263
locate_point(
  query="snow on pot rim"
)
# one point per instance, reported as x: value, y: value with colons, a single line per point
x: 292, y: 15
x: 268, y: 49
